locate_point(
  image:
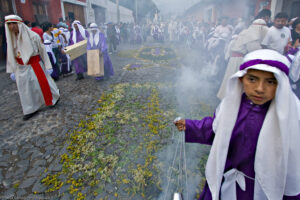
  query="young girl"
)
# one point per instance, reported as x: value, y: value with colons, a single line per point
x: 255, y: 134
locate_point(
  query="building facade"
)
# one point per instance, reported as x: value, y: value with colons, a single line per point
x: 211, y: 10
x: 86, y: 11
x: 101, y: 11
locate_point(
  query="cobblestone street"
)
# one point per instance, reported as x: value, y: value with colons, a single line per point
x: 30, y: 150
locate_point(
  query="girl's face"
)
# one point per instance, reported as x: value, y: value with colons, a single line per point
x: 259, y: 86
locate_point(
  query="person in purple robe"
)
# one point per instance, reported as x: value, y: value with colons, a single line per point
x: 96, y: 40
x: 78, y: 34
x: 255, y: 134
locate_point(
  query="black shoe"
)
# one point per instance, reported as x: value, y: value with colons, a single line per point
x: 68, y: 74
x: 79, y: 77
x: 28, y: 116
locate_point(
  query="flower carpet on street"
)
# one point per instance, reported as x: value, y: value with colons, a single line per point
x: 113, y: 153
x: 149, y: 57
x: 136, y: 66
x: 157, y: 53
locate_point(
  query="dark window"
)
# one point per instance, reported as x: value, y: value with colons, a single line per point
x: 295, y: 9
x: 40, y: 12
x: 6, y: 7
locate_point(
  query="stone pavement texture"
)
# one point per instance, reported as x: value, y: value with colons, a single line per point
x: 28, y: 148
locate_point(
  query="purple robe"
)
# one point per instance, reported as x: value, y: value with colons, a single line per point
x: 242, y: 147
x: 108, y: 68
x: 80, y: 62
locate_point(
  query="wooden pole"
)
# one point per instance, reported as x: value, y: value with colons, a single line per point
x: 118, y: 12
x: 136, y: 12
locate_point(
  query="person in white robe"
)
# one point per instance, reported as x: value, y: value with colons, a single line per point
x: 247, y: 41
x: 28, y: 60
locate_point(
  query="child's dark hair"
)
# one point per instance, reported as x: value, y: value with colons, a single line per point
x: 46, y: 26
x: 27, y: 23
x: 281, y: 15
x: 296, y: 22
x: 34, y: 24
x: 263, y: 13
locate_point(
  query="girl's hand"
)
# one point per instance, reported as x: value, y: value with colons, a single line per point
x: 180, y: 124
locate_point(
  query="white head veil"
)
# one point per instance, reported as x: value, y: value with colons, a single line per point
x: 277, y: 160
x: 92, y: 38
x: 81, y: 30
x: 23, y: 39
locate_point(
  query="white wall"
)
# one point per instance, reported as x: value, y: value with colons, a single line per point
x: 276, y: 7
x: 111, y: 11
x: 102, y: 3
x: 111, y: 14
x: 126, y: 15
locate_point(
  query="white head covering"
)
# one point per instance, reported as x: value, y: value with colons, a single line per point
x: 67, y: 34
x: 81, y: 30
x: 93, y: 26
x: 92, y: 38
x: 22, y: 40
x: 277, y: 160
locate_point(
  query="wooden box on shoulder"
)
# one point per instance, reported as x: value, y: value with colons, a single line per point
x: 76, y: 49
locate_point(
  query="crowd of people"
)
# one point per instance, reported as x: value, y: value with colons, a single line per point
x: 225, y: 44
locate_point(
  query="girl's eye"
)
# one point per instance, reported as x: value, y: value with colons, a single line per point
x: 272, y: 82
x: 252, y: 79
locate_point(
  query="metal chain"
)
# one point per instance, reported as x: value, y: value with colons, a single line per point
x: 181, y: 166
x: 169, y: 174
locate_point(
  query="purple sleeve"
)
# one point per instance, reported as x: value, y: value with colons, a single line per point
x: 103, y: 46
x: 71, y: 39
x: 199, y: 131
x: 51, y: 59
